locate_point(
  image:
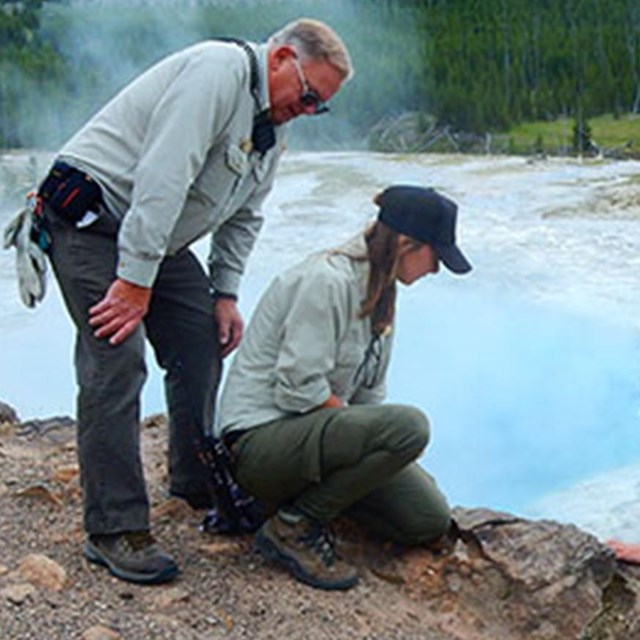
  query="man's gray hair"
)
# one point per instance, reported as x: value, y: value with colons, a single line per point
x: 317, y: 41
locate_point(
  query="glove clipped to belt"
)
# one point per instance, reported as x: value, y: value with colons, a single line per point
x: 27, y: 234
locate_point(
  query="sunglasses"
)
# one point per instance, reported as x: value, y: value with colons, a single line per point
x: 308, y: 97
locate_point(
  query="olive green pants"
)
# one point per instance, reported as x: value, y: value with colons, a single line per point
x: 358, y: 461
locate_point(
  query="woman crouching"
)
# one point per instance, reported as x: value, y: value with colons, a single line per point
x: 301, y: 406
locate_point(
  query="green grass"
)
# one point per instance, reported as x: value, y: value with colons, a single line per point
x: 620, y: 136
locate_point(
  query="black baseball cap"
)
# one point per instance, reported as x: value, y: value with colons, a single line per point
x: 426, y: 216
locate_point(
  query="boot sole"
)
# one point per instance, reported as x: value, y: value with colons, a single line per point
x: 95, y: 557
x: 264, y: 546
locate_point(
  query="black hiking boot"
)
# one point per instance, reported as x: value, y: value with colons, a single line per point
x: 133, y: 556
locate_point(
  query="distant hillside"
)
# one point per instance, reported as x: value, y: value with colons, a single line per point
x: 473, y: 65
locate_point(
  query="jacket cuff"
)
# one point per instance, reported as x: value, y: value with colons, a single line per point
x: 226, y: 281
x: 137, y: 271
x: 301, y: 399
x: 223, y: 295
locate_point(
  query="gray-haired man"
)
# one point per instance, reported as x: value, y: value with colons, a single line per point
x: 189, y: 147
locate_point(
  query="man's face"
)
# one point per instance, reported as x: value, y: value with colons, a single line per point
x: 287, y: 78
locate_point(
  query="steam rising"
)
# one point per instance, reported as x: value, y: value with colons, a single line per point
x: 106, y: 44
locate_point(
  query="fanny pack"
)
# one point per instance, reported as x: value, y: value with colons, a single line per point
x: 70, y: 193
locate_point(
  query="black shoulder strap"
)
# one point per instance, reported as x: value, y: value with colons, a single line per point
x: 254, y: 83
x: 263, y: 135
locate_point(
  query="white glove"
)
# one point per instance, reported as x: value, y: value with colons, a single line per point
x: 31, y: 263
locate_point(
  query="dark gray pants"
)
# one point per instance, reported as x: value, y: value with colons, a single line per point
x: 181, y: 328
x: 358, y: 461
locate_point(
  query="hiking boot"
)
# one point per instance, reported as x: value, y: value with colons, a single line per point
x: 306, y: 549
x: 132, y: 556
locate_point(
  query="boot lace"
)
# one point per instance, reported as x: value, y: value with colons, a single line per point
x: 321, y: 540
x: 138, y: 540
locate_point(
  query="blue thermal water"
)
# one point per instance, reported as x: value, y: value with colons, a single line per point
x: 529, y: 368
x: 523, y: 398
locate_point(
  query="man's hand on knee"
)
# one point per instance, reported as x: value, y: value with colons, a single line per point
x: 120, y: 311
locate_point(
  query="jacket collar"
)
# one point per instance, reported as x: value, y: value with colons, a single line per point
x: 261, y: 53
x: 356, y: 249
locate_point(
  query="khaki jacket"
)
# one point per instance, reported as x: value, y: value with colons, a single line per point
x: 173, y: 155
x: 304, y: 342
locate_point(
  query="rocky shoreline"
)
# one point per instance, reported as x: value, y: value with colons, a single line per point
x: 511, y: 579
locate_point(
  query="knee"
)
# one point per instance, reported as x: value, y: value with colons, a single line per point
x: 128, y: 359
x: 101, y: 365
x: 412, y: 428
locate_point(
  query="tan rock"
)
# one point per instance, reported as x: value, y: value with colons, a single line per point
x: 73, y: 535
x: 8, y: 414
x: 225, y: 618
x: 167, y: 623
x: 66, y: 474
x: 6, y: 429
x: 169, y: 597
x: 221, y: 547
x: 514, y: 579
x: 172, y: 508
x: 3, y: 569
x: 99, y: 632
x: 39, y: 492
x: 17, y: 593
x: 42, y: 571
x: 157, y: 420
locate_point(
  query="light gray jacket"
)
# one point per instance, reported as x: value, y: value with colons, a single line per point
x: 304, y: 342
x: 173, y: 156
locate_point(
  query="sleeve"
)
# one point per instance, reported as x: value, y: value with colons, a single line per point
x: 193, y: 111
x: 233, y: 241
x: 316, y: 319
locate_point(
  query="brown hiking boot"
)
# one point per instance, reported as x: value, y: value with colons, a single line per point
x: 306, y: 549
x: 132, y: 556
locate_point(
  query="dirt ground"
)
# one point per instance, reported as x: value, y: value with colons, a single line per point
x: 224, y: 590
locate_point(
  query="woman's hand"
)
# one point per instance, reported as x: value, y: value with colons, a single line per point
x: 332, y: 402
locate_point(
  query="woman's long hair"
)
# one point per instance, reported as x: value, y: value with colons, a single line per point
x: 382, y: 253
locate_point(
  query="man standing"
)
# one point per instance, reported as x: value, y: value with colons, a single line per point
x: 189, y: 147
